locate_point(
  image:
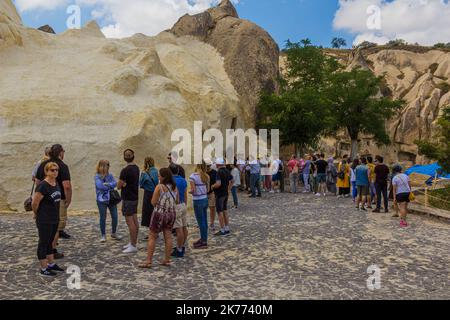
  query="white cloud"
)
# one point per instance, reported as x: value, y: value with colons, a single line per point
x: 27, y: 5
x: 122, y: 18
x: 422, y: 21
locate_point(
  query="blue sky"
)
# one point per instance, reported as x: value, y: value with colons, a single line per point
x: 283, y: 19
x: 421, y: 21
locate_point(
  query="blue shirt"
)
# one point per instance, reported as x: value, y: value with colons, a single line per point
x: 103, y: 190
x: 181, y: 186
x: 255, y: 169
x: 149, y: 180
x: 362, y: 178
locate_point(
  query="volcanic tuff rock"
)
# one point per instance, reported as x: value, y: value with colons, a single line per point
x: 420, y: 76
x: 251, y: 55
x: 98, y: 96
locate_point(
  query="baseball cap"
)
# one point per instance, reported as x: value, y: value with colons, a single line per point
x: 220, y: 161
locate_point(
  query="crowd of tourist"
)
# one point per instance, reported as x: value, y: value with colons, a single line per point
x: 165, y: 196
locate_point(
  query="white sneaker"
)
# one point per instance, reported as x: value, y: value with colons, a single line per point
x: 271, y: 191
x: 126, y: 246
x: 103, y: 239
x: 318, y: 194
x: 115, y: 236
x: 130, y: 249
x: 324, y: 194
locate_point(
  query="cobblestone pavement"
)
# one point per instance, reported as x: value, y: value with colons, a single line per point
x: 282, y: 247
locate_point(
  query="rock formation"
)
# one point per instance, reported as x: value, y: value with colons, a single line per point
x: 98, y: 96
x: 251, y: 55
x: 420, y: 76
x: 47, y: 29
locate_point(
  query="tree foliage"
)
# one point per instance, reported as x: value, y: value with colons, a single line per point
x: 318, y: 98
x: 338, y: 43
x: 440, y: 150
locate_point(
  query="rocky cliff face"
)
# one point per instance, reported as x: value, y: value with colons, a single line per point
x: 251, y: 55
x: 98, y: 96
x: 420, y: 76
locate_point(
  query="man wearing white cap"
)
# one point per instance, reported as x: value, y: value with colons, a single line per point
x: 222, y: 188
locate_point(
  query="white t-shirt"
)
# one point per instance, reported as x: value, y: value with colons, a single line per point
x: 401, y: 181
x: 236, y: 177
x: 275, y: 166
x: 353, y: 175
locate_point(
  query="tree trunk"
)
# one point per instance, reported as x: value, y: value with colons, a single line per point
x: 355, y: 149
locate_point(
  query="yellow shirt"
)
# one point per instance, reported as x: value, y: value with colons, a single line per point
x: 372, y: 175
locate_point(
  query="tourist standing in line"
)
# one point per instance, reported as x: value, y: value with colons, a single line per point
x: 255, y: 172
x: 372, y: 178
x: 248, y: 185
x: 277, y: 173
x: 294, y: 170
x: 221, y: 188
x: 235, y: 173
x: 313, y: 175
x: 331, y: 177
x: 104, y: 184
x: 343, y: 179
x: 180, y: 225
x: 212, y: 173
x: 129, y: 186
x: 402, y: 190
x: 266, y: 174
x: 362, y: 182
x: 38, y: 164
x: 355, y: 164
x: 56, y: 154
x: 306, y: 174
x: 165, y: 198
x: 321, y: 174
x: 381, y: 183
x: 173, y: 158
x: 200, y: 184
x: 148, y: 182
x: 45, y: 206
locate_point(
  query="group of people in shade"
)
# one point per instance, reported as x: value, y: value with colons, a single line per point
x: 164, y: 205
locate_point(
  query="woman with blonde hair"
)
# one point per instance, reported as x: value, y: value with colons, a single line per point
x: 45, y: 206
x: 199, y: 183
x: 104, y: 184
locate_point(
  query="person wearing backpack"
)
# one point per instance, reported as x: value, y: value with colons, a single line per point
x: 343, y: 179
x: 294, y: 170
x: 148, y: 182
x: 332, y: 174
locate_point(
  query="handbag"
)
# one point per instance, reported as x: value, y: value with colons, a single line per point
x: 412, y: 196
x: 27, y: 203
x: 114, y: 197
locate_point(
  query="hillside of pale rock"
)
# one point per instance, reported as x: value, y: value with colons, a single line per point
x: 420, y: 76
x: 98, y: 96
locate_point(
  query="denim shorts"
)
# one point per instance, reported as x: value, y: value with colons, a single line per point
x: 221, y: 204
x: 321, y: 177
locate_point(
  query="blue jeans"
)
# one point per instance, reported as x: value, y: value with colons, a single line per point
x: 235, y: 196
x: 103, y: 208
x: 201, y: 214
x: 354, y: 190
x: 254, y: 184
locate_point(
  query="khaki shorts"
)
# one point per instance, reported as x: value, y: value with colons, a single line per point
x: 181, y: 220
x: 211, y: 200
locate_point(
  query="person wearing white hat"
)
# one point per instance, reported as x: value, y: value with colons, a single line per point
x: 222, y: 188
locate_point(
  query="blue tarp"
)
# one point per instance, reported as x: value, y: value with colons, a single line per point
x: 429, y: 170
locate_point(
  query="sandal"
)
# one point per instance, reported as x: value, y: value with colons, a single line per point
x: 145, y: 265
x: 165, y: 263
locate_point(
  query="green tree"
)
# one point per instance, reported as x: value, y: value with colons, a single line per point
x: 439, y: 150
x: 338, y: 43
x: 300, y: 110
x: 358, y: 107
